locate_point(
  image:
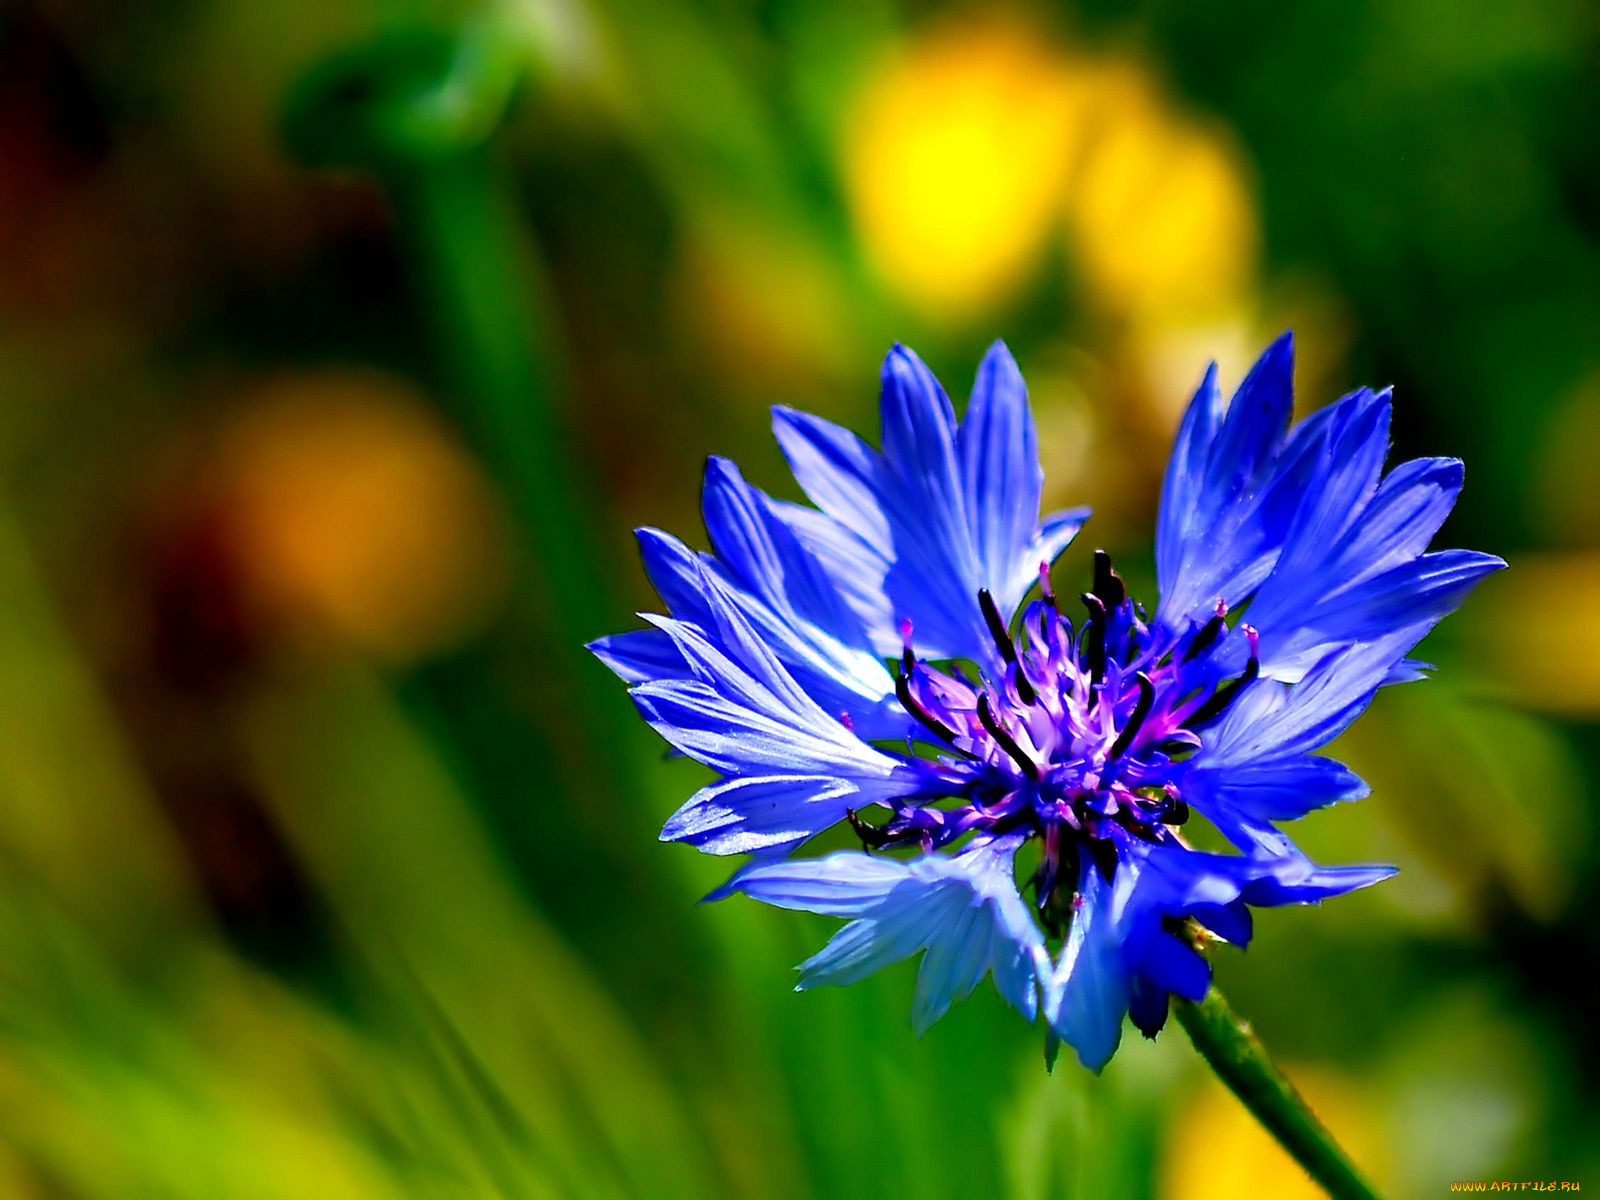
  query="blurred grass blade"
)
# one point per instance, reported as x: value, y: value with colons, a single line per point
x: 494, y: 985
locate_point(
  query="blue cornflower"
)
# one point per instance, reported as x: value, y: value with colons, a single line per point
x: 871, y: 660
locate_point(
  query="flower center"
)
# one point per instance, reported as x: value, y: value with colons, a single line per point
x: 1077, y: 738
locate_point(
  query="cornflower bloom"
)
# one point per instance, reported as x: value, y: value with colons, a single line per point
x: 1017, y: 771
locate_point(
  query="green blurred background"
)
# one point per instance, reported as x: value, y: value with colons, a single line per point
x: 341, y: 344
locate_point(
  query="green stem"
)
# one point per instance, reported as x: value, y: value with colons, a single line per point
x: 419, y: 107
x: 483, y: 284
x: 1227, y: 1042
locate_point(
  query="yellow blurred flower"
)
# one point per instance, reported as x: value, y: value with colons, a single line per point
x: 1567, y: 507
x: 1552, y: 665
x: 1160, y: 212
x: 963, y: 151
x: 953, y: 159
x: 1215, y: 1150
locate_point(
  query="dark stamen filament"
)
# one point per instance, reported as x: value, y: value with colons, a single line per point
x: 1004, y: 740
x: 1141, y: 710
x: 1108, y: 584
x: 871, y: 836
x: 1024, y: 686
x: 997, y: 627
x: 1093, y: 639
x: 1208, y: 634
x: 902, y: 689
x: 1224, y: 696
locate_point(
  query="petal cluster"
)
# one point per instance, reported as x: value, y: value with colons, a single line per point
x: 1018, y: 772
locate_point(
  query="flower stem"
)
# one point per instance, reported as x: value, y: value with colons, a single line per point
x: 1227, y: 1042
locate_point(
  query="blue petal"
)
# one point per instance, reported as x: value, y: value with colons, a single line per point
x: 1002, y: 480
x: 839, y: 677
x: 732, y: 735
x: 739, y: 710
x: 1118, y: 950
x: 1410, y: 505
x: 1172, y: 965
x: 1256, y: 419
x: 919, y: 446
x: 758, y: 859
x: 1229, y: 490
x: 1147, y: 1007
x: 845, y: 884
x: 964, y: 911
x: 727, y: 650
x: 1298, y: 881
x: 952, y: 966
x: 1054, y: 535
x: 1185, y: 479
x: 1344, y: 475
x: 1417, y: 595
x: 858, y: 569
x: 915, y: 532
x: 1330, y: 549
x: 1251, y: 762
x: 1352, y: 567
x: 639, y: 655
x: 747, y: 814
x: 903, y: 923
x: 1176, y: 880
x: 764, y: 557
x: 1260, y: 792
x: 1271, y: 721
x: 674, y: 571
x: 1230, y: 922
x: 891, y: 551
x: 1407, y: 670
x: 1088, y: 990
x: 841, y: 474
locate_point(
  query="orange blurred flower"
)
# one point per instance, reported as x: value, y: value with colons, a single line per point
x: 354, y: 510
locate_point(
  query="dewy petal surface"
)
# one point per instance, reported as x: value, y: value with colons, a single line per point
x: 1018, y: 775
